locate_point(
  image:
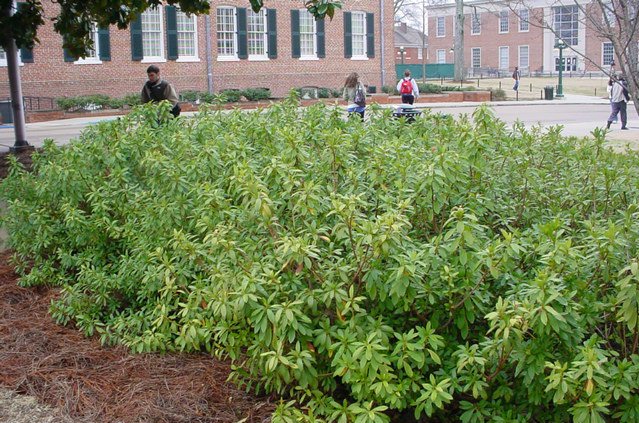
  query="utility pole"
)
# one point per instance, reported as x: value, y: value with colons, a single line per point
x: 15, y: 86
x: 459, y: 40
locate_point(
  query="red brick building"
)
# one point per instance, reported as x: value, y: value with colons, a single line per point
x: 280, y: 48
x: 410, y: 45
x: 501, y: 35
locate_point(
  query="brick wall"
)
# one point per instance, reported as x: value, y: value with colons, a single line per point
x: 51, y: 76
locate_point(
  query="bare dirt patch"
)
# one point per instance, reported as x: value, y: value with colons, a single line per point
x: 84, y: 382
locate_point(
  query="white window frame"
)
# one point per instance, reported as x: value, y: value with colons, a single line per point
x: 161, y: 57
x: 472, y: 57
x: 420, y: 53
x: 503, y: 19
x: 308, y: 35
x: 523, y: 65
x: 193, y: 18
x: 230, y: 12
x: 475, y: 23
x: 95, y: 58
x: 3, y: 57
x: 440, y: 20
x: 441, y: 54
x: 524, y: 21
x: 604, y: 54
x: 254, y: 35
x: 361, y: 35
x: 507, y: 50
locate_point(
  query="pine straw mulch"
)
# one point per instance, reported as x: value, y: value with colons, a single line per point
x: 91, y: 383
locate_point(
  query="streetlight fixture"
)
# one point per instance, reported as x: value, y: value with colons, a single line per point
x: 561, y: 45
x: 401, y: 52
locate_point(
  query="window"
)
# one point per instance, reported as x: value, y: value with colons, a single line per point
x: 566, y: 23
x: 441, y: 56
x: 257, y: 35
x: 186, y: 36
x: 524, y: 15
x: 307, y: 34
x: 3, y: 57
x: 93, y: 55
x: 226, y: 40
x: 441, y: 26
x: 152, y: 34
x: 475, y: 24
x: 524, y: 57
x: 476, y: 57
x: 608, y: 17
x: 359, y: 34
x: 420, y: 53
x: 608, y: 54
x: 503, y: 58
x: 503, y: 21
x: 570, y: 64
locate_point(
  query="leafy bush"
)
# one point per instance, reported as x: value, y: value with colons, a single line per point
x: 497, y: 94
x: 85, y: 102
x: 337, y: 92
x: 256, y: 94
x: 389, y: 89
x: 190, y: 96
x: 324, y: 92
x: 450, y: 269
x: 427, y: 88
x: 232, y: 96
x: 132, y: 100
x: 457, y: 88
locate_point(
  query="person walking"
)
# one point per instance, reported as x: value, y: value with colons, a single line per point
x: 516, y: 77
x: 355, y: 93
x: 157, y: 89
x: 609, y: 91
x: 618, y: 97
x: 408, y: 88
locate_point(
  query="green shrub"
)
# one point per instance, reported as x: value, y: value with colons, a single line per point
x: 87, y: 102
x: 446, y: 270
x: 389, y: 89
x: 337, y: 92
x: 231, y: 95
x: 190, y: 96
x: 427, y: 88
x: 256, y: 94
x: 116, y: 103
x: 497, y: 94
x: 132, y: 100
x: 324, y: 92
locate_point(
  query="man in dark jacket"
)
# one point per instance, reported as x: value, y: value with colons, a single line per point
x: 618, y: 98
x: 156, y: 89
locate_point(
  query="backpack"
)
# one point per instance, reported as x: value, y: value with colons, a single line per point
x: 360, y: 96
x: 407, y: 87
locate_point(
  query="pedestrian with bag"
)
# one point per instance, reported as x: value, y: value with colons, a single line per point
x: 516, y: 77
x: 408, y: 88
x: 355, y: 94
x: 619, y: 96
x: 157, y: 89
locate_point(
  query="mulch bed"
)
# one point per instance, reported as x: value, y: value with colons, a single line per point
x: 24, y: 157
x: 86, y: 382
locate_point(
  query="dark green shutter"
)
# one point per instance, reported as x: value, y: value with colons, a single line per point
x: 171, y: 33
x: 321, y: 43
x: 68, y: 57
x: 242, y: 39
x: 348, y: 35
x: 370, y: 35
x: 271, y: 22
x: 137, y: 53
x: 26, y: 54
x: 295, y: 34
x: 104, y: 42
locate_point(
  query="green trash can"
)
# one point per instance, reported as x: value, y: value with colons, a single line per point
x: 549, y: 92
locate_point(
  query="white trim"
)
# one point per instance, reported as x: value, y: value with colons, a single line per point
x: 258, y: 58
x: 472, y: 57
x: 519, y: 64
x: 443, y: 18
x: 472, y: 23
x: 360, y: 58
x: 196, y: 57
x: 162, y: 58
x: 499, y: 58
x: 226, y: 57
x: 264, y: 36
x: 303, y: 58
x: 507, y: 22
x: 526, y: 21
x: 362, y: 34
x: 314, y: 55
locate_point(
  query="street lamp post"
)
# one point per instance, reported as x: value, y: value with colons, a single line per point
x: 401, y: 52
x: 561, y: 45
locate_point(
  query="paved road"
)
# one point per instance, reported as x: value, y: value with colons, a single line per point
x: 579, y: 116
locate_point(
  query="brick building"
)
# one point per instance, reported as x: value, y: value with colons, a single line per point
x: 280, y: 48
x: 501, y: 35
x: 410, y: 45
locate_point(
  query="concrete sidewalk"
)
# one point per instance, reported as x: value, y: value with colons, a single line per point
x: 531, y: 112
